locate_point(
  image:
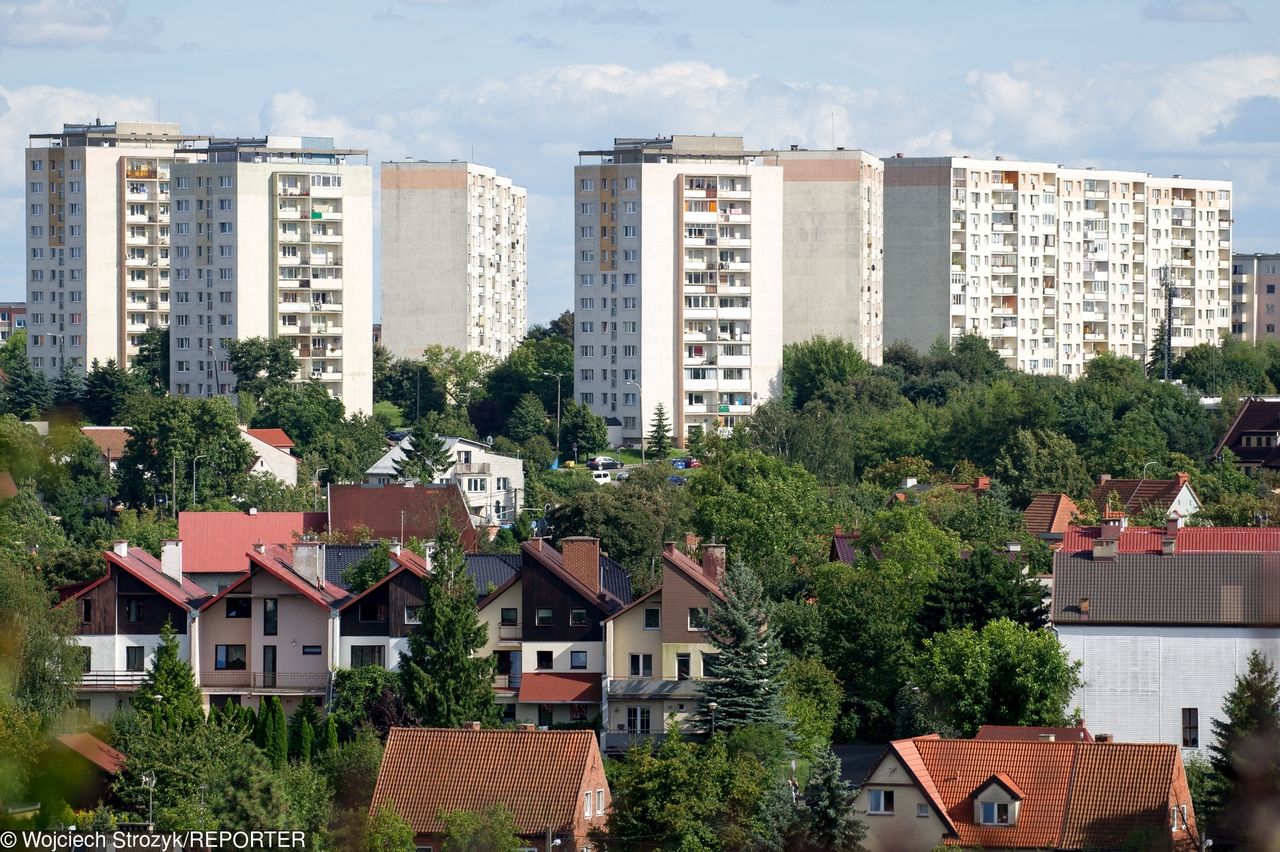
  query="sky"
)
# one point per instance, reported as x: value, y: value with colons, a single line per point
x: 1164, y: 86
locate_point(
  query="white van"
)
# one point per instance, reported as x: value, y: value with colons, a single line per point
x: 601, y: 477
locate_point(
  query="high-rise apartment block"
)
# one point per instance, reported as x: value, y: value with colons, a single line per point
x: 97, y: 231
x: 1254, y: 297
x: 273, y: 238
x: 678, y: 290
x: 453, y: 259
x: 1053, y: 265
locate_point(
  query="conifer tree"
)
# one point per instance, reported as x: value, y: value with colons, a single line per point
x: 306, y: 741
x: 168, y: 694
x: 441, y: 682
x: 329, y: 740
x: 748, y: 663
x: 660, y: 432
x: 305, y: 715
x: 827, y: 820
x: 425, y: 457
x: 527, y: 419
x: 1245, y: 782
x: 277, y: 740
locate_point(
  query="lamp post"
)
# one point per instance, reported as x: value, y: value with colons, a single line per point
x: 149, y: 781
x: 315, y: 488
x: 713, y: 707
x: 558, y: 377
x: 640, y: 400
x: 193, y: 476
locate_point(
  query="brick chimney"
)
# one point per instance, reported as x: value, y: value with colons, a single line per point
x: 308, y: 562
x: 691, y: 542
x: 668, y: 547
x: 470, y: 726
x: 1113, y: 524
x: 536, y: 544
x: 1104, y: 478
x: 713, y: 562
x: 982, y: 483
x: 120, y: 547
x: 582, y: 559
x: 171, y: 559
x: 1183, y: 478
x: 1172, y: 525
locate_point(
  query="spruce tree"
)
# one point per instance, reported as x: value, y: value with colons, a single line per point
x: 168, y: 694
x: 441, y: 681
x: 1245, y: 782
x: 660, y: 432
x: 68, y: 386
x: 527, y: 419
x: 425, y: 457
x: 748, y: 660
x: 827, y: 819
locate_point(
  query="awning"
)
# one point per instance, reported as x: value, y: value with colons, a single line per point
x: 555, y: 688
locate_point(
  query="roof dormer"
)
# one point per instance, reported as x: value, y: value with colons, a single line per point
x: 997, y: 801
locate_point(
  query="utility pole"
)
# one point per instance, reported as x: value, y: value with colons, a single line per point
x: 640, y: 398
x: 1168, y: 319
x: 193, y: 477
x: 557, y: 378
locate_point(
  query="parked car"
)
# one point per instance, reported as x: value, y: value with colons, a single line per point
x: 677, y: 481
x: 604, y: 463
x: 686, y: 463
x: 622, y: 476
x: 601, y: 477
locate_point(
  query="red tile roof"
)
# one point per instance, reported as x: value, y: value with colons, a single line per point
x: 1135, y: 495
x: 1074, y: 795
x: 275, y: 437
x: 558, y: 688
x: 378, y: 508
x: 8, y: 488
x: 146, y: 568
x: 95, y: 751
x: 1049, y: 513
x: 110, y: 440
x: 537, y: 775
x: 1189, y: 539
x: 214, y: 542
x: 277, y: 560
x: 844, y: 547
x: 1031, y: 734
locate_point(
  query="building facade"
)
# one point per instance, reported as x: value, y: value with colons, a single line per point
x: 1254, y: 297
x: 13, y: 318
x: 97, y: 233
x: 492, y: 483
x: 273, y: 238
x: 453, y: 259
x: 1053, y: 265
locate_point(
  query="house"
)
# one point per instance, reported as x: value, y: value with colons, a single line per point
x: 552, y: 782
x: 658, y: 652
x: 912, y: 486
x: 1047, y: 517
x: 492, y: 482
x: 1133, y: 496
x: 844, y: 546
x: 1162, y: 620
x: 215, y: 543
x: 272, y: 454
x: 110, y: 441
x: 1043, y: 795
x: 1254, y: 435
x: 119, y: 617
x: 1028, y: 733
x: 83, y: 768
x: 398, y: 512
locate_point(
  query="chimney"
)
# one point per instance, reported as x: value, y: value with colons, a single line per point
x: 839, y: 530
x: 668, y: 547
x: 171, y: 559
x: 1084, y: 608
x: 395, y: 547
x: 526, y: 726
x: 982, y: 483
x: 536, y: 544
x: 1183, y: 478
x: 1105, y: 549
x: 1046, y: 738
x: 691, y: 542
x: 1173, y: 524
x: 253, y: 510
x: 1168, y: 545
x: 1113, y: 524
x: 308, y: 562
x: 582, y: 559
x: 120, y: 547
x: 1104, y: 478
x: 1102, y: 738
x: 470, y: 726
x: 713, y: 562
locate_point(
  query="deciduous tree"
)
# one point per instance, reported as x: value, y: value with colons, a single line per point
x: 261, y: 364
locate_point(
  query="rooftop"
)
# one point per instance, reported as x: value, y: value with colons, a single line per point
x: 216, y: 542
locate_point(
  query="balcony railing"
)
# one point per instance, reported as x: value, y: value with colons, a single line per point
x: 111, y: 680
x: 510, y: 632
x: 284, y: 681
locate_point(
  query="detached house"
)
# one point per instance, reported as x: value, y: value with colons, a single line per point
x: 658, y: 650
x: 1254, y: 436
x: 1042, y: 795
x: 492, y: 482
x: 1174, y: 497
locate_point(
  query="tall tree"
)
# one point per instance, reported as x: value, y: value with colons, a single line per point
x: 302, y: 728
x: 827, y: 820
x: 276, y: 745
x: 583, y: 428
x: 107, y: 389
x: 808, y: 368
x: 425, y: 456
x: 369, y: 570
x: 977, y: 588
x: 68, y: 386
x: 168, y: 695
x: 151, y: 364
x: 26, y: 391
x: 40, y: 663
x: 261, y: 364
x: 442, y: 681
x: 1245, y: 771
x: 528, y: 419
x: 660, y: 432
x: 1039, y: 461
x: 490, y: 830
x: 748, y: 660
x: 387, y: 832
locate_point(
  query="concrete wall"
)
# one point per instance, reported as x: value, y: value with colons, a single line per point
x: 916, y: 246
x: 903, y: 830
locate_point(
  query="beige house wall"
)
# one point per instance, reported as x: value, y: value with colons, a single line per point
x: 903, y: 830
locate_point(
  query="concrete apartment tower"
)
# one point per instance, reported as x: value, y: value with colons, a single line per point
x: 97, y: 229
x: 453, y: 259
x: 273, y: 237
x: 678, y: 290
x: 1053, y: 265
x: 1255, y: 299
x: 832, y: 246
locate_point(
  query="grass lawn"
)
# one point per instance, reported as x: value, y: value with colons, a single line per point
x: 633, y: 456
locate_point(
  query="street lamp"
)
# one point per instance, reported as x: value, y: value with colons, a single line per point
x: 558, y: 377
x: 713, y: 706
x: 315, y: 488
x: 193, y: 476
x: 640, y: 399
x: 149, y: 781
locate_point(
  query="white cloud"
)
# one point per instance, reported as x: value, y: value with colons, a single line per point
x: 65, y: 23
x: 1194, y: 11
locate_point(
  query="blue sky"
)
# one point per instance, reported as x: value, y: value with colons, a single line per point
x: 1166, y: 86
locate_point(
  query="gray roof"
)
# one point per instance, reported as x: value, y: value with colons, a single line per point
x: 491, y: 570
x: 615, y: 580
x: 1214, y: 589
x: 340, y: 557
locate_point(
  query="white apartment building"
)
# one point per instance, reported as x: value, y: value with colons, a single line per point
x: 490, y: 482
x: 1255, y: 301
x: 97, y: 238
x: 453, y: 259
x: 678, y: 282
x: 1053, y: 265
x: 274, y: 238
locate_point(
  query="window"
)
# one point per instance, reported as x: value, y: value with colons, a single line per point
x: 544, y: 715
x: 879, y: 801
x: 367, y: 655
x: 270, y: 616
x: 411, y: 615
x: 1190, y: 727
x: 995, y: 813
x: 682, y: 667
x: 642, y: 665
x: 86, y: 611
x: 577, y: 659
x: 697, y: 618
x: 638, y: 720
x: 239, y: 607
x: 310, y: 650
x: 709, y: 663
x: 509, y: 617
x: 652, y: 618
x: 544, y: 659
x: 577, y: 618
x: 543, y: 618
x: 133, y: 658
x: 371, y: 611
x: 922, y: 810
x: 228, y: 657
x: 629, y: 231
x: 586, y: 805
x: 86, y: 658
x: 133, y: 610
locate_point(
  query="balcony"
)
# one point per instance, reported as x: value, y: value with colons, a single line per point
x: 266, y: 681
x: 510, y: 633
x: 654, y: 687
x: 477, y: 468
x: 507, y: 682
x: 100, y: 681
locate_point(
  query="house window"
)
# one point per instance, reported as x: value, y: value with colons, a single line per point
x: 879, y: 801
x: 133, y: 610
x: 638, y: 720
x: 371, y: 611
x: 709, y: 663
x: 544, y: 715
x: 652, y: 618
x: 411, y: 615
x: 642, y: 665
x: 133, y: 657
x: 543, y: 618
x: 228, y: 657
x: 509, y: 617
x: 599, y: 802
x: 270, y: 616
x: 86, y: 658
x: 367, y: 655
x: 310, y: 650
x: 239, y: 607
x: 922, y: 810
x: 577, y: 618
x: 682, y: 666
x: 577, y: 659
x: 697, y: 618
x: 544, y: 659
x: 86, y: 611
x: 587, y: 810
x: 995, y: 813
x: 1190, y: 727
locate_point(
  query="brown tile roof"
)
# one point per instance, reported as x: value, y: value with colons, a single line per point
x: 277, y: 560
x: 109, y: 440
x: 95, y: 751
x: 146, y: 568
x: 1136, y: 495
x: 558, y: 688
x: 277, y: 438
x: 537, y: 775
x: 1189, y: 539
x: 1032, y: 734
x: 1049, y: 513
x: 1257, y: 417
x: 844, y: 547
x: 8, y: 488
x: 1074, y: 795
x: 217, y: 541
x: 379, y: 509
